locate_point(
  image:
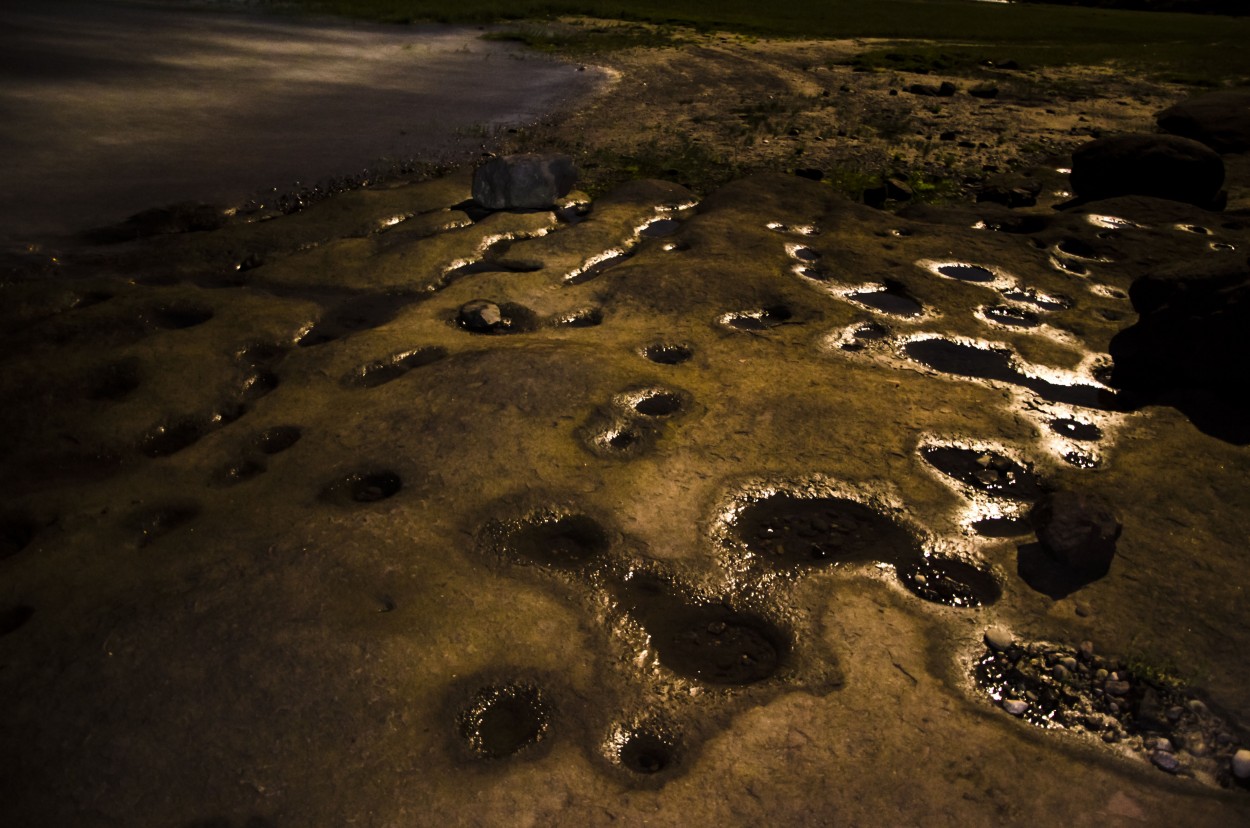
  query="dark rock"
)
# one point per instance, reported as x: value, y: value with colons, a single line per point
x: 184, y: 217
x: 949, y: 135
x: 983, y: 90
x: 1165, y: 166
x: 1189, y: 348
x: 945, y: 90
x: 1220, y: 120
x: 810, y: 173
x: 523, y: 182
x: 898, y: 189
x: 1011, y: 194
x: 480, y: 316
x: 1077, y: 530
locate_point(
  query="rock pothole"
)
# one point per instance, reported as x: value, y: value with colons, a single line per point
x: 786, y: 530
x: 505, y: 720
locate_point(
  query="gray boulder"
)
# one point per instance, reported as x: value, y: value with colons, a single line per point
x: 1220, y: 120
x: 523, y: 182
x: 1164, y: 166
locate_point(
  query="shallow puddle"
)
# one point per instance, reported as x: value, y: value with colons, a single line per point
x: 786, y: 530
x: 993, y: 364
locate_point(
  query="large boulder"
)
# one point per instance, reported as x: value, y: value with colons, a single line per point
x: 523, y: 182
x: 1077, y: 530
x: 1220, y: 120
x: 1189, y: 347
x: 1164, y: 166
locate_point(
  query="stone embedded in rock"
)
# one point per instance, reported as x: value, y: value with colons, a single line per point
x: 1220, y: 120
x: 1164, y: 166
x: 523, y: 182
x: 480, y: 316
x: 1077, y: 530
x: 998, y: 638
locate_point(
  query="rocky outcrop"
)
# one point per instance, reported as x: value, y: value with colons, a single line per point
x: 1164, y: 166
x: 1220, y: 120
x: 523, y: 182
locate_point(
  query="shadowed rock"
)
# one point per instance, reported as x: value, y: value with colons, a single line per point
x: 1221, y: 120
x: 1188, y: 348
x: 1077, y: 530
x: 1165, y: 166
x: 523, y: 182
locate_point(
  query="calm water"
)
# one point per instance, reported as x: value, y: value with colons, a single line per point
x: 108, y: 108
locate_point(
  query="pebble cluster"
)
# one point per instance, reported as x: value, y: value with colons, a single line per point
x: 1143, y: 710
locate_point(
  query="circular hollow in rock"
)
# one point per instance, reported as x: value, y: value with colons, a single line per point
x: 622, y: 439
x: 787, y: 529
x: 564, y: 542
x: 16, y: 533
x: 12, y: 618
x: 967, y: 272
x: 504, y: 720
x: 374, y: 486
x: 987, y: 471
x: 759, y: 320
x: 950, y: 581
x: 647, y: 750
x: 584, y: 318
x: 894, y: 300
x: 666, y: 353
x: 716, y: 644
x: 364, y: 487
x: 175, y: 317
x: 1008, y: 315
x: 1077, y: 430
x: 114, y: 381
x: 258, y: 384
x: 171, y: 438
x: 277, y: 439
x: 661, y: 404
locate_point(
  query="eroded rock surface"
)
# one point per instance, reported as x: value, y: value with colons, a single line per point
x: 732, y: 535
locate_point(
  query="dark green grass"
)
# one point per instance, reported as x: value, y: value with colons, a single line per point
x: 1201, y: 49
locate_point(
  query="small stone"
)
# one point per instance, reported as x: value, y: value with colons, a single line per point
x: 1165, y: 761
x: 480, y: 316
x: 998, y: 638
x: 1087, y: 649
x: 1115, y: 687
x: 1197, y: 707
x: 1015, y: 707
x: 1241, y: 764
x: 1069, y: 664
x: 1164, y: 745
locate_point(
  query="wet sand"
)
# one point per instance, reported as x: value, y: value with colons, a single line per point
x: 109, y: 108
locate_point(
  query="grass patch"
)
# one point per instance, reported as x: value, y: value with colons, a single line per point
x: 1196, y: 49
x: 575, y: 40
